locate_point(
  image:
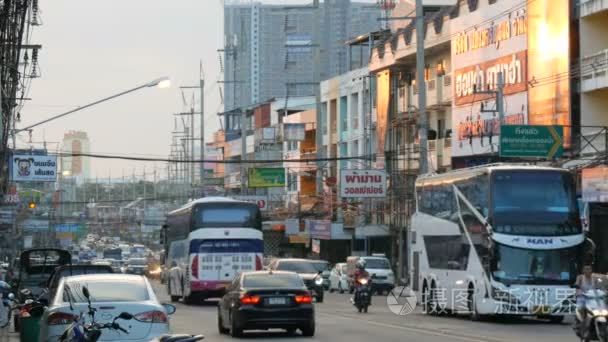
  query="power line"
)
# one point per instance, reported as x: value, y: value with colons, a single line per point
x: 168, y: 160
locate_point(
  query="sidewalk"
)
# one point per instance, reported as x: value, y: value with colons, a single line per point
x: 8, y: 335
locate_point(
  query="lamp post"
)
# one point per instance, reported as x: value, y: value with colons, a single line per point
x: 163, y: 82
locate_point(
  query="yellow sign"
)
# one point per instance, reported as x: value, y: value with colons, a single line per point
x: 302, y: 239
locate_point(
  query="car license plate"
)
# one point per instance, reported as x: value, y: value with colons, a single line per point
x: 277, y: 301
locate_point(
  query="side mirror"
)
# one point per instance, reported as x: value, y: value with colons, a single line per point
x: 85, y: 292
x: 126, y: 316
x: 170, y: 308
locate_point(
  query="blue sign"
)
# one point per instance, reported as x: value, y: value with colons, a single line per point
x: 320, y: 229
x: 67, y: 228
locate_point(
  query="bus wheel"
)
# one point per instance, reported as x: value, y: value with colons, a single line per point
x: 430, y: 303
x: 475, y: 316
x: 174, y: 299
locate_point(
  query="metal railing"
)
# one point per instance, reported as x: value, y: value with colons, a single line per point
x: 594, y: 71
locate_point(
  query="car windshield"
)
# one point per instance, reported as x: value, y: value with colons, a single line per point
x: 137, y: 262
x: 377, y: 263
x: 536, y: 203
x: 297, y: 266
x: 321, y: 265
x: 111, y: 290
x: 533, y: 266
x: 273, y: 281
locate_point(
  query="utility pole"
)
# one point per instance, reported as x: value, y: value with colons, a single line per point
x: 192, y: 146
x: 244, y: 175
x: 317, y: 79
x: 421, y: 83
x: 500, y: 86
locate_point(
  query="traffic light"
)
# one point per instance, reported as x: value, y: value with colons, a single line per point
x: 32, y: 205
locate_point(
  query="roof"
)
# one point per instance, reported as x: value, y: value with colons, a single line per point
x: 104, y: 277
x: 208, y: 200
x: 471, y: 171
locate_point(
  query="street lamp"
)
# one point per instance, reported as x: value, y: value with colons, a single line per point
x: 163, y: 82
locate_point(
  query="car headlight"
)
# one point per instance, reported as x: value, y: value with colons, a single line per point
x: 600, y: 312
x: 318, y: 280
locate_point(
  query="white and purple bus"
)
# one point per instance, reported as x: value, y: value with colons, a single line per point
x: 207, y: 243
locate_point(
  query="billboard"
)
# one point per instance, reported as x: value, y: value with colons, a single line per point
x: 595, y: 184
x: 477, y: 57
x: 362, y: 183
x: 382, y: 107
x: 266, y: 177
x: 320, y: 229
x: 33, y: 168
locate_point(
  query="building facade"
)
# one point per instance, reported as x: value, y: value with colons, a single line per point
x: 269, y: 49
x: 76, y: 167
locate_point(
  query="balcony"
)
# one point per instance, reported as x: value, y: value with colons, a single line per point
x: 594, y: 71
x: 590, y: 7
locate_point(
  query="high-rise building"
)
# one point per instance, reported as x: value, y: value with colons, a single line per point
x: 77, y: 167
x: 269, y: 49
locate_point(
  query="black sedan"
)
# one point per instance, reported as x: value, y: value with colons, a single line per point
x: 266, y: 300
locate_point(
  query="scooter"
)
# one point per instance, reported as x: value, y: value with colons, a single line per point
x: 363, y: 294
x: 594, y: 317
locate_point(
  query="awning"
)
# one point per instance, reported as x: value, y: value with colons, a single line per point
x: 372, y: 230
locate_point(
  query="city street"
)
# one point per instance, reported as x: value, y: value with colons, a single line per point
x: 338, y: 320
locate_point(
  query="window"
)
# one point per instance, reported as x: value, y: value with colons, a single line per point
x: 449, y: 252
x: 260, y: 281
x: 354, y: 110
x: 111, y: 290
x: 296, y: 266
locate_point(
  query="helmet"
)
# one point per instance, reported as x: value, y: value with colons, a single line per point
x: 361, y: 264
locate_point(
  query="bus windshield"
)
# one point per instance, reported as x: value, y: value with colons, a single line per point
x: 226, y: 215
x: 538, y: 203
x: 533, y: 266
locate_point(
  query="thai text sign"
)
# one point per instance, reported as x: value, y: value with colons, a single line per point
x: 33, y: 168
x: 484, y: 76
x: 531, y: 141
x: 362, y: 183
x: 266, y: 177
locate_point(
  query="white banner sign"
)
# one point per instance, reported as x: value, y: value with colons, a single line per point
x: 261, y: 201
x: 27, y: 241
x: 33, y: 168
x: 362, y: 183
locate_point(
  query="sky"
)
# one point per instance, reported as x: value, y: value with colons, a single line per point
x: 93, y: 49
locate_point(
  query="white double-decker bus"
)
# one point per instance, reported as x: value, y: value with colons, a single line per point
x: 497, y: 239
x: 207, y: 243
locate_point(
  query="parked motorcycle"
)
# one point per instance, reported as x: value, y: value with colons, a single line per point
x: 594, y: 317
x: 363, y: 294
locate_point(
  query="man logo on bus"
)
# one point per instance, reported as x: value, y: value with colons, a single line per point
x: 540, y: 241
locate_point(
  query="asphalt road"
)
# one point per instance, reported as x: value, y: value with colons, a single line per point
x: 337, y: 320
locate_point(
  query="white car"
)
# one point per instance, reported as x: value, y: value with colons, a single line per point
x: 338, y: 278
x: 111, y: 294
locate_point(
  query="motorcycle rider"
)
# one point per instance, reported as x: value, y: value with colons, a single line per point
x: 584, y: 282
x: 360, y: 273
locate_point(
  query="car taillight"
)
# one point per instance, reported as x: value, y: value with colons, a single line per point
x: 305, y: 299
x: 250, y: 300
x: 258, y: 263
x: 60, y: 318
x: 194, y: 267
x: 151, y: 317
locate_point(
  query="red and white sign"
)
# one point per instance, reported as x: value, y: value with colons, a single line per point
x: 362, y: 183
x: 261, y: 201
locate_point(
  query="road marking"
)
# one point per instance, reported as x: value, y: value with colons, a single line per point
x: 418, y: 330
